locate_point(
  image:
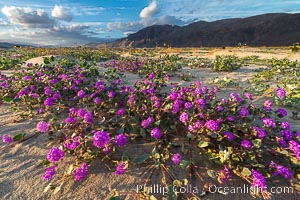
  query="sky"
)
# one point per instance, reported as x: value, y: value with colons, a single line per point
x: 72, y: 22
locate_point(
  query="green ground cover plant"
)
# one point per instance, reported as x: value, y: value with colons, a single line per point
x: 226, y: 63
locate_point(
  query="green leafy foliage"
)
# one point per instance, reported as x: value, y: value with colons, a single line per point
x: 226, y: 63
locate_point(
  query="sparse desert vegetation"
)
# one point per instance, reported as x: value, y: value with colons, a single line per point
x: 118, y: 121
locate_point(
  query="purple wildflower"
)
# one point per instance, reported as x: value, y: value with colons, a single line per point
x: 4, y: 84
x: 151, y: 76
x: 173, y: 96
x: 49, y: 102
x: 121, y: 140
x: 295, y: 147
x: 55, y: 154
x: 77, y: 82
x: 287, y: 134
x: 220, y: 108
x: 198, y: 83
x: 231, y: 118
x: 188, y: 105
x: 101, y: 139
x: 201, y: 102
x: 285, y: 125
x: 97, y: 101
x: 269, y: 122
x: 191, y: 128
x: 243, y: 112
x: 120, y: 170
x: 184, y: 117
x: 157, y: 103
x: 75, y: 88
x: 236, y: 97
x: 111, y: 94
x: 198, y: 91
x: 34, y: 95
x: 248, y: 96
x: 212, y: 125
x: 282, y: 112
x: 56, y: 95
x: 41, y: 110
x: 156, y: 133
x: 176, y: 158
x: 121, y: 112
x: 7, y: 139
x: 42, y: 126
x: 282, y: 143
x: 147, y: 122
x: 216, y: 88
x: 204, y: 89
x: 281, y: 93
x: 32, y: 88
x: 280, y: 169
x: 49, y: 173
x: 246, y: 144
x: 53, y: 81
x: 198, y: 124
x: 259, y: 181
x: 131, y: 99
x: 224, y: 175
x: 71, y: 120
x: 92, y: 95
x: 81, y: 172
x: 260, y: 132
x: 81, y: 94
x: 88, y: 117
x: 48, y: 91
x: 72, y: 143
x: 268, y: 105
x: 229, y: 135
x: 81, y: 112
x: 27, y: 78
x: 175, y: 108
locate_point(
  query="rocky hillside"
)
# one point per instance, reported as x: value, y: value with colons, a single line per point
x: 263, y: 30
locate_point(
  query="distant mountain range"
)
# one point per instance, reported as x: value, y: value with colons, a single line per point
x: 277, y: 29
x: 6, y: 45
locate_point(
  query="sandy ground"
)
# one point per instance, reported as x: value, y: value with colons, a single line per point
x: 261, y: 52
x: 21, y: 166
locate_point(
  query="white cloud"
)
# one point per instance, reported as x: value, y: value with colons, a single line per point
x: 3, y: 22
x: 58, y: 35
x: 132, y: 27
x: 124, y: 26
x: 162, y: 20
x: 191, y: 10
x: 85, y: 10
x: 28, y: 17
x: 60, y: 13
x: 100, y: 30
x: 92, y: 10
x: 147, y: 18
x: 128, y: 33
x: 72, y: 28
x: 150, y: 11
